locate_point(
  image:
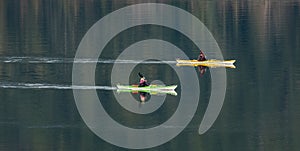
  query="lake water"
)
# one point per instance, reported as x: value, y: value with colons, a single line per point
x: 39, y: 40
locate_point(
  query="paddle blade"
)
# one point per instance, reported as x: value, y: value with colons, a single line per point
x: 140, y: 75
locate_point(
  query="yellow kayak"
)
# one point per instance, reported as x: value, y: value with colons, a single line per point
x: 208, y: 63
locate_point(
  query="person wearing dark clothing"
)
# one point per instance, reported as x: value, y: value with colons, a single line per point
x: 201, y: 56
x: 143, y: 81
x: 201, y: 69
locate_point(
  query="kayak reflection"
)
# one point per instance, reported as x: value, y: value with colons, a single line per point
x: 146, y: 91
x: 144, y: 96
x: 202, y: 70
x: 151, y: 89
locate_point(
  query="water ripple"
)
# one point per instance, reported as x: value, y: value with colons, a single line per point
x: 15, y: 85
x: 47, y: 60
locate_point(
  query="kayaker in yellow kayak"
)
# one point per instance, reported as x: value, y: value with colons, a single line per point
x: 201, y: 57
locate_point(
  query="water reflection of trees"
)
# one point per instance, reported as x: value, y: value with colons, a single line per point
x: 37, y: 24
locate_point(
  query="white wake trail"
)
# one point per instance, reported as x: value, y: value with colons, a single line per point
x: 13, y: 85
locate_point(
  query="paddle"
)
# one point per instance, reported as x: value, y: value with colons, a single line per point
x: 141, y: 76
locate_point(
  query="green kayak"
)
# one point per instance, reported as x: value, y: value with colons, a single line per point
x: 152, y: 89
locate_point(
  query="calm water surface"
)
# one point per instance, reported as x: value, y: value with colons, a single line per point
x: 38, y: 41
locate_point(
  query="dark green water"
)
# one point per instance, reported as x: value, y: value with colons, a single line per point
x: 38, y: 40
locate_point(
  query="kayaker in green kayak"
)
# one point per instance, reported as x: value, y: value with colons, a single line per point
x: 143, y: 81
